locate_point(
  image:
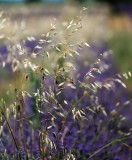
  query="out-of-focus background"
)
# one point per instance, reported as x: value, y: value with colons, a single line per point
x: 107, y: 25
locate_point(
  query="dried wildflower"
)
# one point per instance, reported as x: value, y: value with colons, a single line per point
x: 31, y: 38
x: 129, y: 73
x: 7, y: 112
x: 3, y: 64
x: 65, y: 102
x: 1, y: 129
x: 86, y: 44
x: 103, y: 110
x: 15, y: 65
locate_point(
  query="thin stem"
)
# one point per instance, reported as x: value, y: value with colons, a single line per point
x: 51, y: 98
x: 10, y: 129
x: 71, y: 106
x: 127, y: 146
x: 112, y: 142
x: 22, y: 127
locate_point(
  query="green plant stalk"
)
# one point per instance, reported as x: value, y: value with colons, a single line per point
x: 71, y: 106
x: 127, y: 146
x: 14, y: 133
x: 50, y: 105
x: 22, y: 128
x: 10, y: 129
x: 112, y: 142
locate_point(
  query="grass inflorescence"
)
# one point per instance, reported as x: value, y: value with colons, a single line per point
x: 57, y: 109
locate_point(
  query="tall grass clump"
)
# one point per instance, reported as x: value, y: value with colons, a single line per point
x: 55, y: 108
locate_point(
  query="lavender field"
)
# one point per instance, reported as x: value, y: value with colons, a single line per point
x: 65, y: 82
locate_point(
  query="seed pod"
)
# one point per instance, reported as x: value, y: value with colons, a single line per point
x: 7, y: 112
x: 54, y: 135
x: 1, y: 129
x: 26, y: 77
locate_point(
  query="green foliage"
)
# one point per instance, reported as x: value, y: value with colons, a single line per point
x: 61, y: 61
x: 114, y: 1
x: 32, y: 1
x: 34, y: 85
x: 120, y: 43
x: 78, y: 1
x: 115, y: 4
